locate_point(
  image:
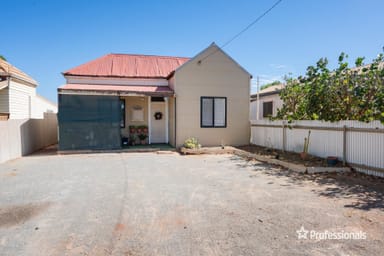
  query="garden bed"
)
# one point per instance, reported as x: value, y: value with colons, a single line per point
x: 291, y: 157
x: 207, y: 150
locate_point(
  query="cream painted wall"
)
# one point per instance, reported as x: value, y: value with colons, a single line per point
x: 171, y: 83
x: 217, y: 75
x: 171, y: 111
x: 131, y: 102
x: 171, y: 120
x: 277, y: 103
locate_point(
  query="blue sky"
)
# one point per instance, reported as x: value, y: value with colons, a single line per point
x: 45, y: 38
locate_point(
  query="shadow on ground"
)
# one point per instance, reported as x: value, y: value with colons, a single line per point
x: 48, y: 151
x: 366, y: 192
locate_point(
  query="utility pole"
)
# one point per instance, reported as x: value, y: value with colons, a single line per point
x: 258, y: 99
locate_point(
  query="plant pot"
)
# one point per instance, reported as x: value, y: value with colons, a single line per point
x: 132, y: 129
x: 332, y: 160
x: 124, y: 141
x: 303, y: 155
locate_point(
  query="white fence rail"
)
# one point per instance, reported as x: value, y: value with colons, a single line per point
x: 25, y: 136
x: 359, y: 144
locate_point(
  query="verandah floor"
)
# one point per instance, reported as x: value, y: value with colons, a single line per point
x: 151, y: 147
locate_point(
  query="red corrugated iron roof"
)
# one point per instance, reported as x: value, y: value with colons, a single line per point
x: 145, y: 90
x: 129, y: 65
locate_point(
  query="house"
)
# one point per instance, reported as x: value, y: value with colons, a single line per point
x: 18, y: 98
x: 175, y: 98
x: 269, y: 98
x: 266, y: 102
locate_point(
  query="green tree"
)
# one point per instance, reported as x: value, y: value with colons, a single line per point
x: 341, y: 94
x: 2, y: 57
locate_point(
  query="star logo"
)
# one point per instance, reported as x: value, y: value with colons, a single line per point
x: 302, y: 233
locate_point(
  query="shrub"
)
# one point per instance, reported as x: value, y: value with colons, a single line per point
x: 191, y: 143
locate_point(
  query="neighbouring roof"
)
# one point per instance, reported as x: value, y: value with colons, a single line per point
x: 6, y: 69
x: 116, y: 89
x: 274, y: 89
x: 129, y: 65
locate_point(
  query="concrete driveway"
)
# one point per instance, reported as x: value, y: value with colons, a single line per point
x: 167, y: 204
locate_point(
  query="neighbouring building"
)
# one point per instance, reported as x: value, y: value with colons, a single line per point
x: 18, y: 98
x: 206, y: 97
x: 268, y: 104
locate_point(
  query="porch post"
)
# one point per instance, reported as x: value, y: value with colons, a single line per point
x: 166, y: 120
x: 149, y: 120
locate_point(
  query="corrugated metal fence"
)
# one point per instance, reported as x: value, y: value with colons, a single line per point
x: 360, y: 144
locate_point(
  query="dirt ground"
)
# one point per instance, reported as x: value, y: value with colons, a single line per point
x: 287, y: 156
x: 168, y: 204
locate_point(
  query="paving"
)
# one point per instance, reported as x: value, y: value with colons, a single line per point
x: 168, y: 204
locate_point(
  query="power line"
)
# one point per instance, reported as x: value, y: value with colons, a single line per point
x: 245, y: 29
x: 251, y: 24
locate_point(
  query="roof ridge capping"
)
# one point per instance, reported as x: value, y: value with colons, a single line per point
x: 149, y: 55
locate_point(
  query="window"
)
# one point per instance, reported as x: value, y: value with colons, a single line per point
x: 213, y: 112
x: 267, y: 109
x: 122, y: 113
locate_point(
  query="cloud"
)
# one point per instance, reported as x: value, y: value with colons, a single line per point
x: 278, y: 66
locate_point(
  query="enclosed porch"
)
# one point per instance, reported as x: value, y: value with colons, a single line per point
x: 144, y: 120
x: 114, y: 117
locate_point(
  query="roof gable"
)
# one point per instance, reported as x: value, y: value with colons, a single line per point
x: 129, y: 65
x: 211, y: 50
x: 7, y: 69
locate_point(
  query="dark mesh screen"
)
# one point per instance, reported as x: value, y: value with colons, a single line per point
x: 89, y: 122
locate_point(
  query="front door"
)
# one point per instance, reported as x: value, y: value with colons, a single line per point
x: 158, y: 122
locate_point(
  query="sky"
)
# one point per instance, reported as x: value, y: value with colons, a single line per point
x: 45, y: 38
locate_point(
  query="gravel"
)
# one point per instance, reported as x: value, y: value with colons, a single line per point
x: 167, y: 204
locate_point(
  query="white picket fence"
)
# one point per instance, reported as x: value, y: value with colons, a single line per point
x: 360, y: 144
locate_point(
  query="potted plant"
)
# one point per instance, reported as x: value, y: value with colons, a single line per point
x: 142, y: 138
x: 143, y: 129
x: 304, y: 154
x: 132, y: 129
x: 132, y: 139
x: 332, y: 161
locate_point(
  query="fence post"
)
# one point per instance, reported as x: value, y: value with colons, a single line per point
x: 344, y: 144
x: 284, y: 139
